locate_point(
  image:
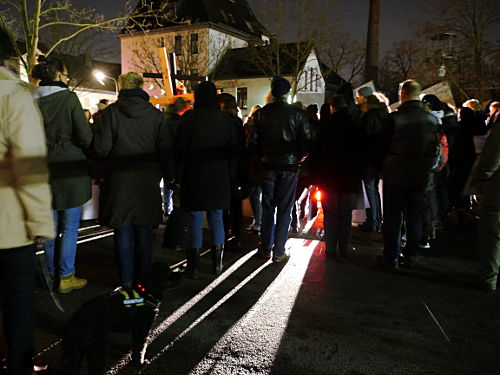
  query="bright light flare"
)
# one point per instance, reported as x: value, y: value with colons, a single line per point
x: 317, y: 195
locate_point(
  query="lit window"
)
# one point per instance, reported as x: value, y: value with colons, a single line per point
x: 241, y: 97
x: 193, y: 39
x: 178, y: 45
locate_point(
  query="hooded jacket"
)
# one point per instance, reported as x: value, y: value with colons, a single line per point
x: 25, y: 200
x: 68, y: 138
x: 133, y: 139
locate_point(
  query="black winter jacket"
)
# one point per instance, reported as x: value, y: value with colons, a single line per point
x: 282, y: 135
x: 133, y: 139
x: 409, y: 143
x: 206, y: 151
x: 338, y: 155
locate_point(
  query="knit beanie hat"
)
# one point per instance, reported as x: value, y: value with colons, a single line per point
x: 365, y: 91
x: 280, y: 86
x: 205, y: 95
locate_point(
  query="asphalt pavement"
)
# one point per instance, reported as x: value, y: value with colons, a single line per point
x: 309, y: 315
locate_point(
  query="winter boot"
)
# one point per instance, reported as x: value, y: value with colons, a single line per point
x: 193, y: 256
x: 71, y: 282
x: 217, y: 253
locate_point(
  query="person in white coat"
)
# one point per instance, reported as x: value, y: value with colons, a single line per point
x: 25, y: 204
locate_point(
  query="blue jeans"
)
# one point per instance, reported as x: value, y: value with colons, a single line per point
x: 63, y: 246
x: 337, y: 209
x: 17, y: 278
x: 278, y: 196
x: 195, y: 228
x: 395, y: 201
x: 374, y: 213
x: 133, y: 248
x: 255, y: 196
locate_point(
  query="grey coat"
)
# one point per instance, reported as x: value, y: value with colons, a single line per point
x: 485, y: 177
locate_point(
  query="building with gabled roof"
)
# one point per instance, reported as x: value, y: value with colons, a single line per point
x: 223, y: 40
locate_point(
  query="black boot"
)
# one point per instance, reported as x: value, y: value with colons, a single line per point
x: 193, y: 255
x: 217, y: 253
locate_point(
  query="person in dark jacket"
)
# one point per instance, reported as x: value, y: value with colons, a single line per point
x: 68, y: 138
x: 205, y: 150
x: 485, y: 182
x: 233, y: 218
x: 283, y: 136
x: 370, y: 123
x: 408, y: 148
x: 134, y: 141
x: 339, y: 157
x: 175, y: 228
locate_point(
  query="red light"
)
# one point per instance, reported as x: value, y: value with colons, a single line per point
x: 143, y: 290
x: 317, y: 195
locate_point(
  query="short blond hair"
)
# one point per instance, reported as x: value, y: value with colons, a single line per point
x: 130, y: 80
x: 410, y: 88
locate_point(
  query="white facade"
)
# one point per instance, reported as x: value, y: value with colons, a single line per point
x: 310, y: 90
x: 198, y: 49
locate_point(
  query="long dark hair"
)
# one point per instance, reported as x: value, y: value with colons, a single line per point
x: 7, y: 49
x: 47, y: 68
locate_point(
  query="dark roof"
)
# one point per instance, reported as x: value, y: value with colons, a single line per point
x: 235, y: 14
x: 261, y: 61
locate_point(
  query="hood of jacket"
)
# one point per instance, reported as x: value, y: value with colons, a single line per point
x: 51, y: 100
x: 133, y: 103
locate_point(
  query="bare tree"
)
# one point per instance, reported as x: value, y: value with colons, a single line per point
x: 192, y: 60
x: 38, y: 17
x: 292, y: 42
x: 344, y: 56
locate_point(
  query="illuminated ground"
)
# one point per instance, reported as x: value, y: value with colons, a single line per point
x: 309, y: 316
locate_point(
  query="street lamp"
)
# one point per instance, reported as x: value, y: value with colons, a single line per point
x: 100, y: 76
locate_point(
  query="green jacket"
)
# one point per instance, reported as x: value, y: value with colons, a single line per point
x: 68, y: 136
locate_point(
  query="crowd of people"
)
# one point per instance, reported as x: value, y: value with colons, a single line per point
x: 431, y: 160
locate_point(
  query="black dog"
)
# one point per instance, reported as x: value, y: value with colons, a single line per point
x: 124, y: 310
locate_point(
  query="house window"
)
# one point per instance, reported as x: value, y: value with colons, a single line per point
x: 311, y: 75
x: 178, y: 45
x: 193, y: 40
x: 161, y: 42
x: 241, y: 97
x: 316, y: 83
x: 194, y: 72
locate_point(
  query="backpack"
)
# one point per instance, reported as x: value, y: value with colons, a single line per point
x: 442, y: 150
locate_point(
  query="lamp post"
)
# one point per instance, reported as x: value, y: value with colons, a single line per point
x: 100, y: 76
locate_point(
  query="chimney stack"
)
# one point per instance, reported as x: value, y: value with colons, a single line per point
x: 372, y: 42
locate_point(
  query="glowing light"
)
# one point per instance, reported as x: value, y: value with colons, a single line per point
x: 317, y: 195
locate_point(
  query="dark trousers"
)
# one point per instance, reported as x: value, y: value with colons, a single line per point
x: 133, y: 247
x: 278, y: 196
x: 233, y: 218
x: 395, y: 201
x: 337, y: 208
x: 17, y: 278
x: 175, y: 228
x: 489, y: 244
x: 374, y: 213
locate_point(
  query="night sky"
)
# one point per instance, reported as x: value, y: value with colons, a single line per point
x: 398, y: 17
